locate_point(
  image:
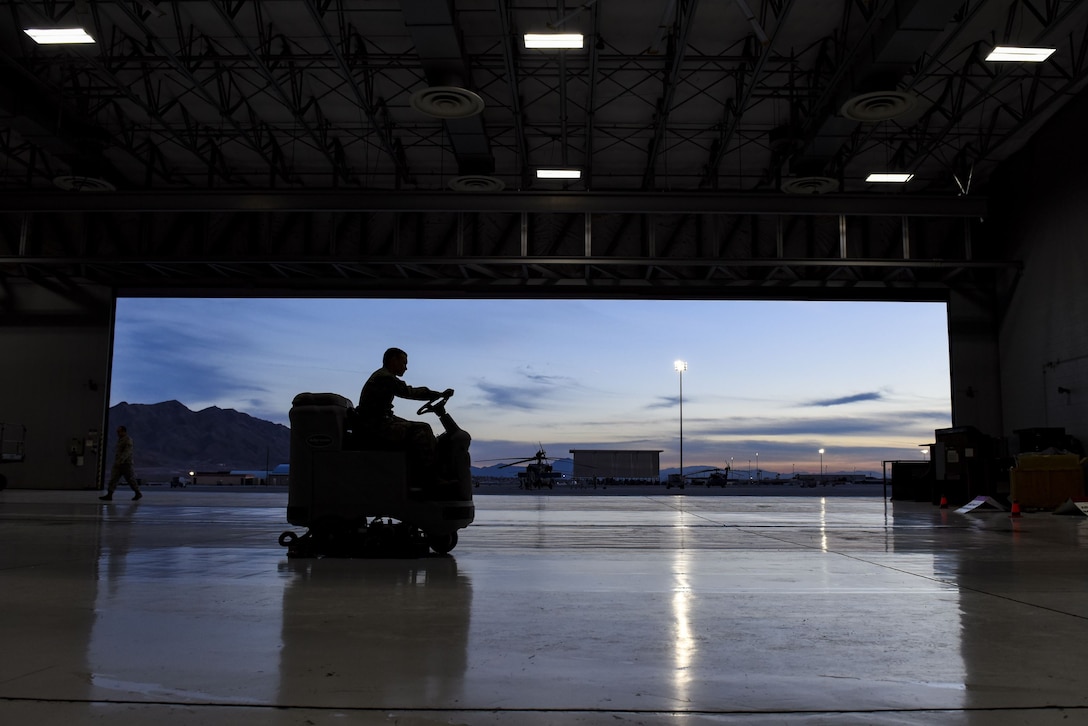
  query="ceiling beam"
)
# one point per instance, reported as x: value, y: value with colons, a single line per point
x: 677, y: 47
x: 531, y: 202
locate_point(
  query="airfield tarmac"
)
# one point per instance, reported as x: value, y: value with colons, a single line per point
x: 766, y: 489
x: 672, y: 607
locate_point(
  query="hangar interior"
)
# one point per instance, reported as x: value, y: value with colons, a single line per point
x: 391, y: 149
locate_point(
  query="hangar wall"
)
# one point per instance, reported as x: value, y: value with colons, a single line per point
x: 975, y: 385
x: 1038, y: 203
x: 54, y: 380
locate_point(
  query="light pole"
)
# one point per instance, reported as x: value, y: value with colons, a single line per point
x: 681, y: 366
x: 758, y: 477
x: 821, y: 463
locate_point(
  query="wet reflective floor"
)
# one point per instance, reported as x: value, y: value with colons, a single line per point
x: 660, y: 609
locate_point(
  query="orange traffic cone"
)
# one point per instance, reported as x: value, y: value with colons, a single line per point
x: 944, y: 502
x: 1015, y: 509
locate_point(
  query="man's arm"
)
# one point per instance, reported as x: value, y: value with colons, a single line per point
x: 420, y: 393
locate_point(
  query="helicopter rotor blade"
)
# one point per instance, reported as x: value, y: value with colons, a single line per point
x: 515, y: 463
x: 541, y: 457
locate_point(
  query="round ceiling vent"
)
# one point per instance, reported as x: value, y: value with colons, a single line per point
x: 447, y: 102
x: 83, y: 184
x: 810, y: 185
x: 477, y: 183
x: 879, y: 105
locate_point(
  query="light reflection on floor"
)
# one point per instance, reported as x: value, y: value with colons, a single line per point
x: 590, y: 609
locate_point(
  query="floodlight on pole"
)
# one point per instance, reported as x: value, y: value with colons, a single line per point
x: 821, y: 462
x: 681, y: 366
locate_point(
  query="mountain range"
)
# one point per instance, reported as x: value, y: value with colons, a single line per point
x: 169, y: 438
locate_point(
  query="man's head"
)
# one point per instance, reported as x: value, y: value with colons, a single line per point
x: 121, y: 431
x: 395, y: 361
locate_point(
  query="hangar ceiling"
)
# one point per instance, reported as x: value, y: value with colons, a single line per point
x: 384, y: 147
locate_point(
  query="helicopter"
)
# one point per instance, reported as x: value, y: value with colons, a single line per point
x: 538, y: 474
x: 717, y: 477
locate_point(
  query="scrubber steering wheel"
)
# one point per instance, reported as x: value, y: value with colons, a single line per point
x: 436, y: 405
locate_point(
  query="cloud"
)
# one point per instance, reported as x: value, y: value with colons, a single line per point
x: 663, y: 402
x: 786, y: 445
x: 879, y: 423
x: 548, y: 380
x: 889, y: 423
x: 163, y: 359
x: 856, y: 398
x: 535, y: 394
x: 786, y: 458
x: 525, y: 398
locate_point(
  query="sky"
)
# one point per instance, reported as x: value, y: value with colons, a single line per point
x: 768, y: 383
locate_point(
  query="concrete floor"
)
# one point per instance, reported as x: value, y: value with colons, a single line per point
x: 662, y: 609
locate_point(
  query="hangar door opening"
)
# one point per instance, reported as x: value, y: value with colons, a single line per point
x: 207, y: 383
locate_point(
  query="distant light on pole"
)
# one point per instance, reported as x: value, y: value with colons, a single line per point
x: 681, y: 366
x: 821, y: 462
x: 758, y: 477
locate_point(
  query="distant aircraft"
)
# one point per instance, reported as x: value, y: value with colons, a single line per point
x: 537, y: 475
x: 718, y: 477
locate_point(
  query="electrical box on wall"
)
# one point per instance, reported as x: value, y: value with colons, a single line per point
x: 80, y: 447
x: 92, y: 442
x: 75, y: 451
x: 966, y: 464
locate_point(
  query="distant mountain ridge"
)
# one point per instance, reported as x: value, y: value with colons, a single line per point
x: 168, y: 436
x: 170, y: 439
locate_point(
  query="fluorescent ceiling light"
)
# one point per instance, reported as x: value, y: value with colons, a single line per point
x: 889, y: 177
x: 554, y: 40
x: 1019, y: 55
x: 558, y: 173
x: 55, y: 36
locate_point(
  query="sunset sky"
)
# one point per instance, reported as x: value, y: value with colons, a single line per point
x: 867, y: 382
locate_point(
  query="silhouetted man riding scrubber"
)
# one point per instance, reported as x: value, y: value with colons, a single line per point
x: 352, y: 468
x: 377, y: 424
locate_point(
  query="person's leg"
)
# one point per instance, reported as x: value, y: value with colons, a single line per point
x: 115, y: 476
x: 134, y: 484
x: 394, y: 436
x: 416, y: 439
x: 422, y: 442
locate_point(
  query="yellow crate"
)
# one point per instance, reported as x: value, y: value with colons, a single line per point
x: 1045, y: 489
x: 1046, y: 462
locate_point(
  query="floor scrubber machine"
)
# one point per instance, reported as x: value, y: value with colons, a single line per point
x: 357, y: 500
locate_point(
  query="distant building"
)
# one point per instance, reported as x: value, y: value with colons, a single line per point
x: 238, y: 477
x: 277, y: 476
x: 617, y: 463
x: 223, y: 479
